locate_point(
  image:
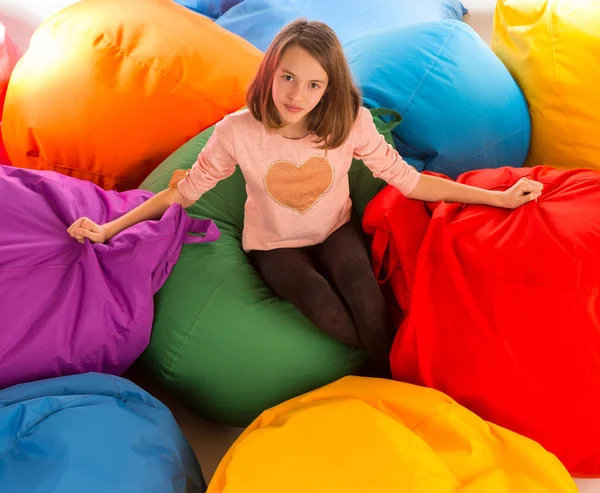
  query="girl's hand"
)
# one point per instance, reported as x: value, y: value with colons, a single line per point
x: 178, y: 175
x: 86, y: 228
x: 525, y: 190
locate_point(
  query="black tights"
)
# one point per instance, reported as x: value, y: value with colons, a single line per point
x: 333, y: 285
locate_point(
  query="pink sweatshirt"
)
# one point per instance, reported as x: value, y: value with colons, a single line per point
x: 297, y: 194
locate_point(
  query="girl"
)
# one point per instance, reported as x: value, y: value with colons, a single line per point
x: 294, y: 145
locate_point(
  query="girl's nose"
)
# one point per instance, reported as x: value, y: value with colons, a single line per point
x: 296, y: 93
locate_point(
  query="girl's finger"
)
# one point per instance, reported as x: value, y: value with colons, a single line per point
x: 83, y: 233
x: 89, y: 225
x: 74, y: 226
x: 90, y: 235
x: 536, y: 185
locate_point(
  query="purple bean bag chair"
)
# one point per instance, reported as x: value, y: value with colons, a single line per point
x: 67, y: 307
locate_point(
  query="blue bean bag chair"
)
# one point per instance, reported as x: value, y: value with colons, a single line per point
x: 91, y: 433
x: 209, y: 8
x: 461, y: 108
x: 258, y: 21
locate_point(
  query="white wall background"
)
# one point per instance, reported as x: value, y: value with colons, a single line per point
x: 21, y: 17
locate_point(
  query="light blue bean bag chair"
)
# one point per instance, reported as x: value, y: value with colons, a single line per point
x: 91, y: 433
x: 210, y: 8
x: 461, y: 108
x: 258, y: 21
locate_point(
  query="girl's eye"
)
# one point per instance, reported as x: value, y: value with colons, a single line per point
x: 287, y: 77
x: 314, y: 85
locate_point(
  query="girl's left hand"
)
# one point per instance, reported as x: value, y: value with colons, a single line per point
x: 525, y: 190
x: 178, y: 175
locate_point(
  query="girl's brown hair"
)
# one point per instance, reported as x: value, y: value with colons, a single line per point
x: 332, y: 119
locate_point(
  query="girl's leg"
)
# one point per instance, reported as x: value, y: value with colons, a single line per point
x: 345, y: 261
x: 292, y: 275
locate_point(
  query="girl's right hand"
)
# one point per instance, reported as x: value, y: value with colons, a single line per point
x: 86, y: 228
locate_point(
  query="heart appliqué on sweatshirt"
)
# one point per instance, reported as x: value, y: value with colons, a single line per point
x: 299, y: 187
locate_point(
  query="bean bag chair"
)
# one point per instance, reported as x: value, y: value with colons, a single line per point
x: 551, y: 49
x: 94, y: 433
x: 210, y: 8
x: 69, y: 307
x: 109, y: 88
x: 361, y: 434
x: 222, y: 340
x: 461, y: 108
x: 259, y: 21
x: 501, y: 307
x: 9, y: 55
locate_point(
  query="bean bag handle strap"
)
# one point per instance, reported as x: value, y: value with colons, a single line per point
x: 206, y: 227
x: 382, y: 126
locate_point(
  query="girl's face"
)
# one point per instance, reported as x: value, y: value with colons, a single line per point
x: 298, y: 86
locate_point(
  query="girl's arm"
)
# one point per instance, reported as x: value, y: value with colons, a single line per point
x: 433, y: 189
x: 153, y: 208
x: 387, y: 164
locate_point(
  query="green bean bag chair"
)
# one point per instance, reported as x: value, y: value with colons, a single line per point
x: 222, y: 340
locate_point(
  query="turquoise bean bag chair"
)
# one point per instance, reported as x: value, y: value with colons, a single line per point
x: 258, y: 21
x: 461, y: 108
x: 209, y: 8
x: 91, y: 433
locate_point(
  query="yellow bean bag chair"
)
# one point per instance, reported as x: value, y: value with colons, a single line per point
x: 109, y: 88
x: 551, y: 47
x: 362, y: 435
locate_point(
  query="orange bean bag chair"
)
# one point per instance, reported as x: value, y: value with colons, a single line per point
x: 502, y: 307
x: 9, y: 55
x: 109, y: 88
x: 360, y: 435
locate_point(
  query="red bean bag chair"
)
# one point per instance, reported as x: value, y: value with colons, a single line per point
x: 501, y: 308
x: 9, y: 55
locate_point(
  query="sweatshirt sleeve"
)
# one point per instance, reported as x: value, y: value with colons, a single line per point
x: 380, y: 157
x: 215, y: 163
